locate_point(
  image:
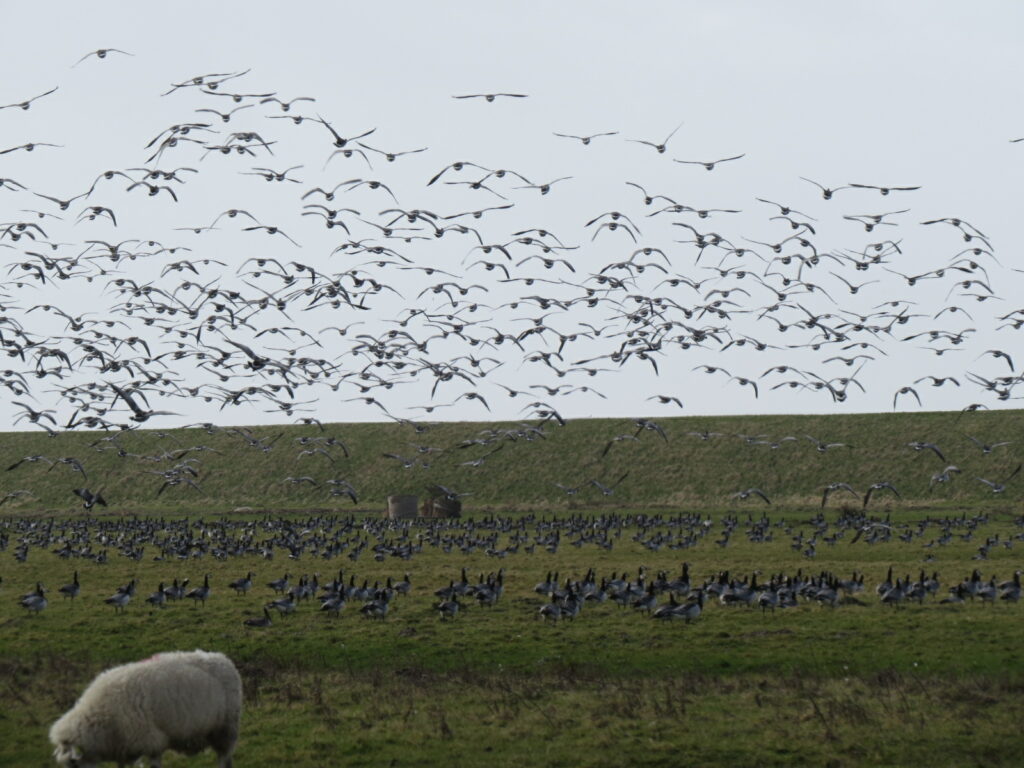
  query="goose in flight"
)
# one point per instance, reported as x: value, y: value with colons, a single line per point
x: 709, y: 165
x: 987, y: 448
x: 586, y: 139
x: 884, y: 485
x: 491, y: 96
x: 659, y: 147
x: 832, y: 488
x: 1001, y: 486
x: 751, y: 492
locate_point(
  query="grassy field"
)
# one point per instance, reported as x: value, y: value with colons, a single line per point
x: 681, y: 470
x: 858, y: 684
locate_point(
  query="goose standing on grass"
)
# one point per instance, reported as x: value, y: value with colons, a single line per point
x: 376, y: 608
x: 283, y: 605
x: 122, y: 597
x: 199, y: 594
x: 241, y: 586
x: 1011, y: 590
x: 176, y: 591
x: 34, y: 601
x: 448, y: 609
x: 159, y: 598
x: 550, y: 610
x: 404, y: 586
x: 692, y: 610
x: 333, y: 603
x: 768, y: 599
x: 669, y: 611
x: 280, y: 586
x: 886, y: 585
x: 71, y: 590
x: 896, y: 594
x: 988, y: 592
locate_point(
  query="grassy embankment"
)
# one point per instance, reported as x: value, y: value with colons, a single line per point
x: 683, y: 471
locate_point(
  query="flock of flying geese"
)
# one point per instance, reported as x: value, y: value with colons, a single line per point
x: 433, y: 301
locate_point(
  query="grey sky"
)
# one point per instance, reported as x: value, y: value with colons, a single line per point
x: 874, y: 93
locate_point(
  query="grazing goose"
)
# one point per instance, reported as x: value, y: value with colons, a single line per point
x: 599, y: 594
x: 34, y: 601
x: 377, y: 607
x: 446, y: 593
x: 1011, y: 590
x: 768, y: 599
x: 571, y: 606
x: 886, y: 585
x: 668, y: 612
x: 550, y: 610
x: 403, y: 587
x: 241, y: 586
x: 176, y: 591
x: 199, y: 594
x: 691, y: 611
x: 71, y: 590
x: 648, y: 602
x: 120, y: 599
x: 988, y: 592
x: 448, y: 609
x: 895, y: 595
x: 158, y: 598
x: 280, y: 586
x: 333, y: 604
x: 283, y: 605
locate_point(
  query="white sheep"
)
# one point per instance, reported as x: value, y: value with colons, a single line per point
x: 182, y: 700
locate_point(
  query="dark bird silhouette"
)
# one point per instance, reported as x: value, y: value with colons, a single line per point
x: 586, y: 139
x: 1001, y: 486
x: 709, y: 164
x: 660, y: 148
x: 742, y: 495
x: 491, y: 96
x: 90, y: 499
x: 885, y: 485
x: 833, y: 487
x: 101, y: 53
x: 28, y: 102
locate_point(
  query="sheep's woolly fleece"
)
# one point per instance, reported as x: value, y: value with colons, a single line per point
x: 181, y: 700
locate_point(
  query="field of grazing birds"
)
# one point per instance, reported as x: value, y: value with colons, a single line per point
x: 725, y: 632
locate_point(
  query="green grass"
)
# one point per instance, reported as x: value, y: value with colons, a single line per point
x: 856, y: 685
x: 682, y: 471
x: 927, y: 685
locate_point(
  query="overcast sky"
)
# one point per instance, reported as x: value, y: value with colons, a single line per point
x: 888, y: 94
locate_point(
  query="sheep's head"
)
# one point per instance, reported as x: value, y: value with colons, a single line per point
x: 70, y: 756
